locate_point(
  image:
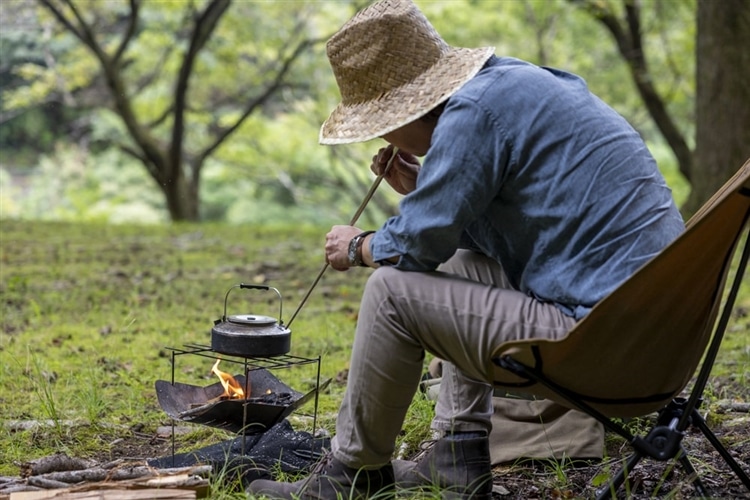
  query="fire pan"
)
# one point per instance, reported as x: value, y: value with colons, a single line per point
x: 269, y: 403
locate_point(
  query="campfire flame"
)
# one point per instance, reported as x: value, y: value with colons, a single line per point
x: 232, y: 388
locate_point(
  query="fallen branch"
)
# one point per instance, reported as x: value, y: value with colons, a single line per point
x: 121, y: 473
x: 9, y: 489
x: 30, y: 425
x: 732, y: 407
x: 47, y: 484
x: 53, y: 463
x: 174, y: 483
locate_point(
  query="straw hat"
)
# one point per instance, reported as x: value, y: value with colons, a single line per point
x: 392, y: 67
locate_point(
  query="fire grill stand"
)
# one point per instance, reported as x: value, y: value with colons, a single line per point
x: 273, y: 360
x: 249, y: 364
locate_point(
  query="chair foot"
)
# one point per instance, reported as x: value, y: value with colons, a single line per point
x: 616, y: 482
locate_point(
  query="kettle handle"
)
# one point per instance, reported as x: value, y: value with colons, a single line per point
x: 254, y: 287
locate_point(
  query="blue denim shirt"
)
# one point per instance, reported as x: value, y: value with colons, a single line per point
x: 527, y: 166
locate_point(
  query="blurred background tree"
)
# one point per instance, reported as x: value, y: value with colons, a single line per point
x: 209, y: 110
x: 722, y: 98
x: 178, y: 84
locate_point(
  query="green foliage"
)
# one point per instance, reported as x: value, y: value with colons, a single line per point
x: 272, y: 167
x: 669, y: 169
x: 74, y: 184
x: 263, y: 185
x: 45, y: 394
x: 557, y: 33
x: 235, y: 75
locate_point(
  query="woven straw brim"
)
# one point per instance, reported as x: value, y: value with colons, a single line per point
x: 359, y: 122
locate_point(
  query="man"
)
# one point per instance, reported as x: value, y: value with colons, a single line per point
x: 534, y: 198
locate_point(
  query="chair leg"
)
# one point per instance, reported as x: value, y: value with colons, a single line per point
x: 617, y: 481
x: 698, y: 421
x: 692, y: 474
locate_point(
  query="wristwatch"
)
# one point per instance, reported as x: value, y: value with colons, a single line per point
x: 355, y: 249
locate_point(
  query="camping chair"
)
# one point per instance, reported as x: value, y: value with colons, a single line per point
x: 639, y: 347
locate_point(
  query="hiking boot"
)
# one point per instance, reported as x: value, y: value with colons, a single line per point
x: 331, y: 479
x: 460, y: 468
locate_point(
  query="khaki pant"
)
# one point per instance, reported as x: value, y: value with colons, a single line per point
x: 461, y: 314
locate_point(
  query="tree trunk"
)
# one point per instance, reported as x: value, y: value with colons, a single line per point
x: 182, y: 200
x: 722, y: 96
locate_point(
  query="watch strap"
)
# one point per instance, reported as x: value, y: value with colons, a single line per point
x: 355, y: 249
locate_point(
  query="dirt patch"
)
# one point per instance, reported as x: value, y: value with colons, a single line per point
x: 650, y: 479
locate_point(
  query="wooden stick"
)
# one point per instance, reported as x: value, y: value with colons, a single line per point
x: 53, y: 463
x: 47, y: 484
x: 733, y: 407
x: 359, y: 211
x: 94, y: 474
x: 121, y: 484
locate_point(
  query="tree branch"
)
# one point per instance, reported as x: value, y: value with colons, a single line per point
x: 113, y: 78
x: 630, y: 45
x: 259, y: 100
x: 633, y: 19
x: 205, y: 24
x: 132, y: 25
x: 151, y: 77
x: 150, y: 167
x: 87, y: 34
x: 162, y: 117
x: 62, y: 19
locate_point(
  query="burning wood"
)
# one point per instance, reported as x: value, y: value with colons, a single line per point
x: 270, y: 398
x: 232, y: 389
x: 269, y: 403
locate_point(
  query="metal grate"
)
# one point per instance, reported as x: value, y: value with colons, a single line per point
x: 249, y: 364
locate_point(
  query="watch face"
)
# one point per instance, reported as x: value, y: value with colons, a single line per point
x: 353, y: 251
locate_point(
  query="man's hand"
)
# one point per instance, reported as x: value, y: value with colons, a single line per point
x: 337, y: 246
x: 403, y: 173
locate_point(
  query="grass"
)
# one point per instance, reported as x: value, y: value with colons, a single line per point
x: 88, y: 313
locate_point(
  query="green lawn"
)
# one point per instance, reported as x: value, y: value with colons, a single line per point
x: 88, y: 312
